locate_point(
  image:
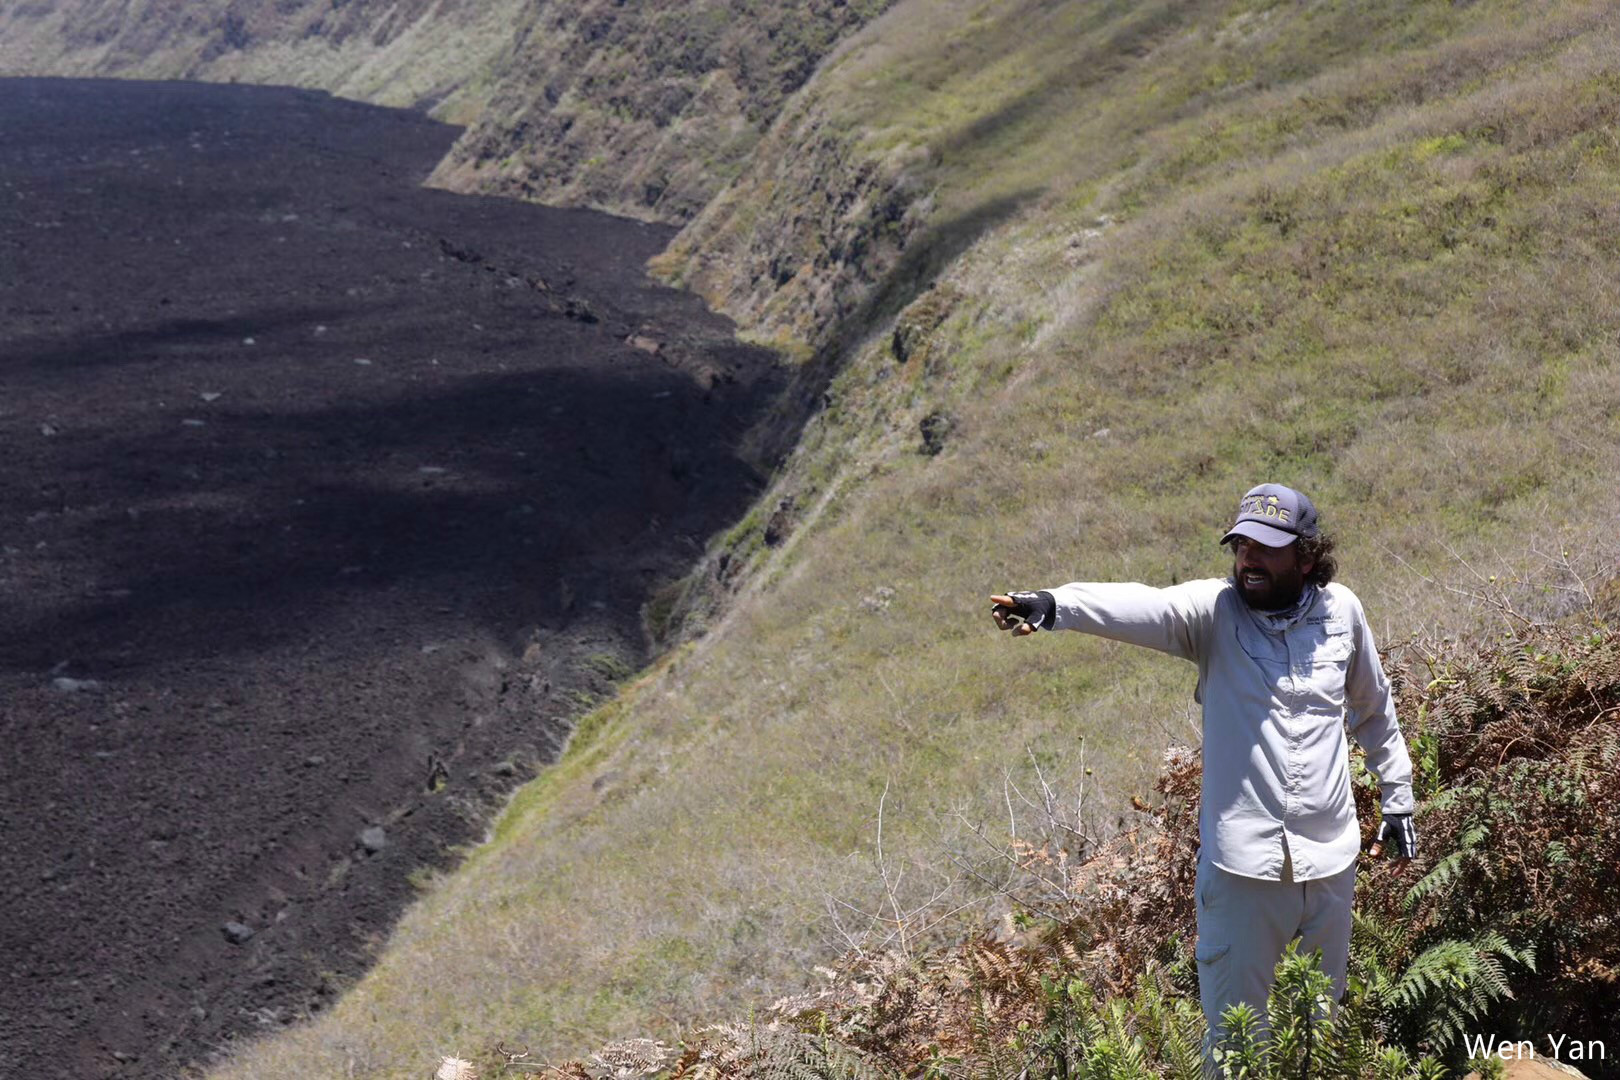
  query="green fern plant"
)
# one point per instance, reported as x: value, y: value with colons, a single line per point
x: 1447, y: 870
x: 1452, y: 984
x: 1171, y: 1023
x: 995, y: 1059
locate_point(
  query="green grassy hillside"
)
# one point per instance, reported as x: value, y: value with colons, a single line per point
x: 1068, y: 278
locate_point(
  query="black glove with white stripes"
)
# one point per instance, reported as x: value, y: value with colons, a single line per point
x: 1397, y: 831
x: 1015, y: 610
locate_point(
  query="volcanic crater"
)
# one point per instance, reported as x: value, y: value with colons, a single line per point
x: 329, y: 501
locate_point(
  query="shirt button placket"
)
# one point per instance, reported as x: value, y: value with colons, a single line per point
x: 1291, y: 727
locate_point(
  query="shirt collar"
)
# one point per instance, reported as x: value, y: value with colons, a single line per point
x: 1278, y: 621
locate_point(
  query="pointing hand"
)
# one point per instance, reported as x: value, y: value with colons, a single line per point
x: 1023, y: 613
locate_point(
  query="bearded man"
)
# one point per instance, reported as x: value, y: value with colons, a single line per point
x: 1286, y: 662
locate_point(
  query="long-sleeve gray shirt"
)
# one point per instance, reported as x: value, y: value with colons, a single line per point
x: 1276, y: 701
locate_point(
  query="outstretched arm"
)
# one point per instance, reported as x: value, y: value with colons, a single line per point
x: 1176, y: 620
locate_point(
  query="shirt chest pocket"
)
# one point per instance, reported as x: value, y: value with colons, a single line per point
x: 1324, y: 667
x: 1331, y: 648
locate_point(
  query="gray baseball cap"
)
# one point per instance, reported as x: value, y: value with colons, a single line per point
x: 1274, y: 515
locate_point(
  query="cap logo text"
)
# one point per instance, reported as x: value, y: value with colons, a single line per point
x: 1264, y: 506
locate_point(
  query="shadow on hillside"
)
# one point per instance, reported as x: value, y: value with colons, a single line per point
x: 1122, y: 48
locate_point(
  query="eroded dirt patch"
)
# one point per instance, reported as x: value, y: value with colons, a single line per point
x: 327, y: 501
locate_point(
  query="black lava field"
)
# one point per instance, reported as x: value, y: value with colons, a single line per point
x: 325, y: 501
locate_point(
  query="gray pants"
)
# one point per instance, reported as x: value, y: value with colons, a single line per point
x: 1245, y: 923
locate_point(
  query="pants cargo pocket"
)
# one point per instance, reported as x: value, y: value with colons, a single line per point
x: 1213, y: 986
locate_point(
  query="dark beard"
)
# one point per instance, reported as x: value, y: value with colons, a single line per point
x: 1276, y: 595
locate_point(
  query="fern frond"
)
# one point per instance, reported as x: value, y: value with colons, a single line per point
x: 1455, y: 982
x: 1450, y: 866
x: 1182, y: 1048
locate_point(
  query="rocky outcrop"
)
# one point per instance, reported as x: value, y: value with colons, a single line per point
x: 809, y: 236
x: 643, y: 109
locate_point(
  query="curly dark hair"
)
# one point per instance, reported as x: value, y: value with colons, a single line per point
x: 1318, y: 548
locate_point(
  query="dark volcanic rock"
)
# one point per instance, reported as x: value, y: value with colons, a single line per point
x: 253, y: 593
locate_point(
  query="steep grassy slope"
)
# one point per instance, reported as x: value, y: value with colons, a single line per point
x: 647, y: 109
x: 1072, y: 276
